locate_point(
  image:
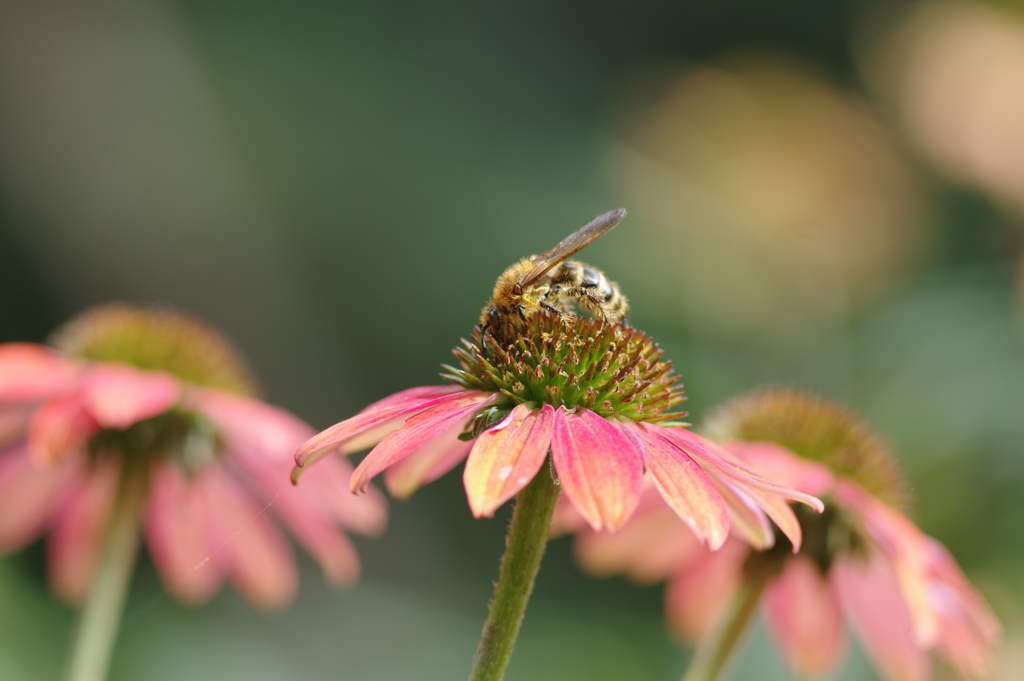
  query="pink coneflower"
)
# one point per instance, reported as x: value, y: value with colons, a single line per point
x: 146, y: 416
x: 863, y: 564
x: 594, y: 399
x: 598, y: 398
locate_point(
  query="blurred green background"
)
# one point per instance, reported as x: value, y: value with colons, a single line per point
x: 822, y: 194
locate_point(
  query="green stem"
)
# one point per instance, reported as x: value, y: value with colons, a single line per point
x: 718, y: 642
x: 524, y: 547
x: 100, y: 619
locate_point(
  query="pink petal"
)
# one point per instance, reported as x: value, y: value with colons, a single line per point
x: 184, y: 540
x: 770, y: 496
x: 31, y: 373
x: 968, y: 630
x: 73, y: 548
x: 14, y: 420
x: 262, y: 567
x: 696, y: 594
x: 418, y: 430
x: 601, y: 470
x: 943, y: 568
x: 60, y: 429
x: 369, y: 438
x: 506, y: 457
x: 118, y: 395
x: 427, y: 463
x: 377, y: 414
x: 298, y: 508
x: 805, y: 619
x: 412, y: 396
x: 247, y: 423
x: 873, y: 604
x: 784, y: 467
x: 684, y: 486
x: 779, y: 511
x: 960, y: 642
x: 326, y: 488
x: 652, y: 546
x: 30, y: 494
x: 905, y: 546
x: 746, y: 519
x: 566, y: 519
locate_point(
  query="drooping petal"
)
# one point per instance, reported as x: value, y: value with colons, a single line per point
x: 685, y: 486
x: 14, y: 420
x: 418, y: 430
x: 30, y: 494
x: 600, y: 468
x: 326, y: 487
x: 770, y: 496
x: 784, y: 467
x: 943, y: 568
x: 959, y: 640
x: 31, y: 373
x: 185, y: 542
x: 873, y: 604
x: 779, y: 511
x: 968, y: 630
x: 297, y: 508
x: 59, y: 429
x: 117, y: 395
x: 247, y: 423
x: 906, y: 548
x: 74, y: 546
x: 377, y: 414
x: 505, y: 458
x: 428, y: 463
x: 746, y: 519
x: 804, y: 619
x: 566, y: 518
x: 411, y: 396
x: 264, y: 437
x: 262, y: 567
x: 652, y: 546
x: 694, y: 596
x: 371, y: 437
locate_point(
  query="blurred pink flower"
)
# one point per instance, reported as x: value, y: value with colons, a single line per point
x: 563, y: 395
x: 158, y: 387
x: 863, y: 564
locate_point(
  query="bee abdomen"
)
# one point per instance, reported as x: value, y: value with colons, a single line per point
x: 592, y: 290
x: 592, y: 279
x: 615, y: 307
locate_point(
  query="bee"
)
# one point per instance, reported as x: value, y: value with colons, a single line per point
x: 550, y: 282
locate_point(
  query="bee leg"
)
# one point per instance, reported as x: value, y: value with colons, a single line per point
x: 554, y: 310
x: 594, y: 304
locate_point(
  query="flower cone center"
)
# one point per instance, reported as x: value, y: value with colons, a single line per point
x: 187, y: 439
x: 613, y: 370
x: 156, y: 339
x: 815, y: 429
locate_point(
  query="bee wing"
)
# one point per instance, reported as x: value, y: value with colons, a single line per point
x: 572, y: 244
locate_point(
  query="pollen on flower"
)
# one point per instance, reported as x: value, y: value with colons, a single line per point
x: 156, y: 339
x: 610, y: 369
x: 815, y: 429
